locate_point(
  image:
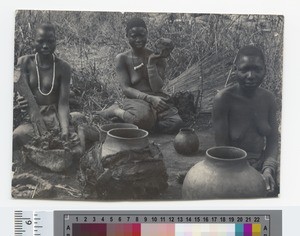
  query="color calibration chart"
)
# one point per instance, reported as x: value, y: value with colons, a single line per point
x: 148, y: 223
x: 168, y: 223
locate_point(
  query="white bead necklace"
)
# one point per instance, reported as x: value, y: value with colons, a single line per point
x: 38, y: 75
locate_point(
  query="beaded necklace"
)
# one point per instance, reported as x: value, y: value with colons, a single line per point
x: 38, y: 75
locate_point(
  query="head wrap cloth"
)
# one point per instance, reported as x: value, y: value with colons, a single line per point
x: 135, y: 22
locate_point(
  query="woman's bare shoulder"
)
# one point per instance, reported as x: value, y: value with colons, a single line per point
x: 26, y: 59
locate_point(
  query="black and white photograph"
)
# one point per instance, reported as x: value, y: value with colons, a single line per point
x: 114, y: 106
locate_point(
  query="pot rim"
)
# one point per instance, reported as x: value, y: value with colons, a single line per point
x: 226, y: 147
x: 118, y: 137
x: 105, y: 131
x: 187, y: 129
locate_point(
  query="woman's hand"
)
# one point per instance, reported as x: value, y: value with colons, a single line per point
x: 21, y: 103
x: 64, y: 135
x: 268, y: 177
x: 158, y: 103
x: 154, y: 57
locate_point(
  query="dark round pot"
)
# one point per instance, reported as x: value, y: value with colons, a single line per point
x: 224, y: 173
x: 186, y: 141
x: 105, y: 128
x: 124, y: 139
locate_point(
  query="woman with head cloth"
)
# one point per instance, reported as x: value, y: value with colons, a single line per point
x: 141, y: 75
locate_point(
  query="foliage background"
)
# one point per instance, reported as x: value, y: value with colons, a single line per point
x: 90, y: 41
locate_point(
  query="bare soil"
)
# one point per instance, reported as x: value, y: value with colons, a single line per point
x: 67, y: 186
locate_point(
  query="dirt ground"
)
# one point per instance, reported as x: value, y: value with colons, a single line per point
x: 67, y: 187
x: 177, y: 163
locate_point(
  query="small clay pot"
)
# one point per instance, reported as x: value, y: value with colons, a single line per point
x: 105, y: 128
x: 186, y: 141
x: 164, y: 46
x: 124, y: 139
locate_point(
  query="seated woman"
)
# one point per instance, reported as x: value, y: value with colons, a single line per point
x: 141, y: 75
x: 48, y: 78
x: 244, y: 115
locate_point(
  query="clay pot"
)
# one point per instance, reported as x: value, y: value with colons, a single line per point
x: 224, y: 173
x: 105, y: 128
x: 164, y: 47
x: 186, y: 141
x: 124, y: 139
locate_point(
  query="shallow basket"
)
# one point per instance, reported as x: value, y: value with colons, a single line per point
x: 56, y: 160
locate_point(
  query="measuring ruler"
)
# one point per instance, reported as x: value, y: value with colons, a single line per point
x: 104, y: 223
x: 33, y: 223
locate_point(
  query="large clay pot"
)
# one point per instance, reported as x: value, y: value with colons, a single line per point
x: 105, y: 128
x: 186, y: 141
x: 123, y: 139
x: 224, y: 173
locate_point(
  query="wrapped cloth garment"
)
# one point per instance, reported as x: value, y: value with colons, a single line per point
x: 142, y: 114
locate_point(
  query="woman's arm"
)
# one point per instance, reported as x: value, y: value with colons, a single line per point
x: 220, y: 120
x: 125, y: 82
x: 124, y: 79
x: 63, y: 102
x: 271, y: 151
x: 156, y: 72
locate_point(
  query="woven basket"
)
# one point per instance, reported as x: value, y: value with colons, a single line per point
x: 56, y: 160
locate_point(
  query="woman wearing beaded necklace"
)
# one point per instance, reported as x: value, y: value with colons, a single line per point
x: 49, y: 80
x: 141, y: 75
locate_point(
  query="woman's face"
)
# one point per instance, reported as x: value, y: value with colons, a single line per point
x: 251, y: 71
x: 137, y: 37
x: 45, y: 41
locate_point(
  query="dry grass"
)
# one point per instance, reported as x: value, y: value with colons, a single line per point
x: 89, y: 41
